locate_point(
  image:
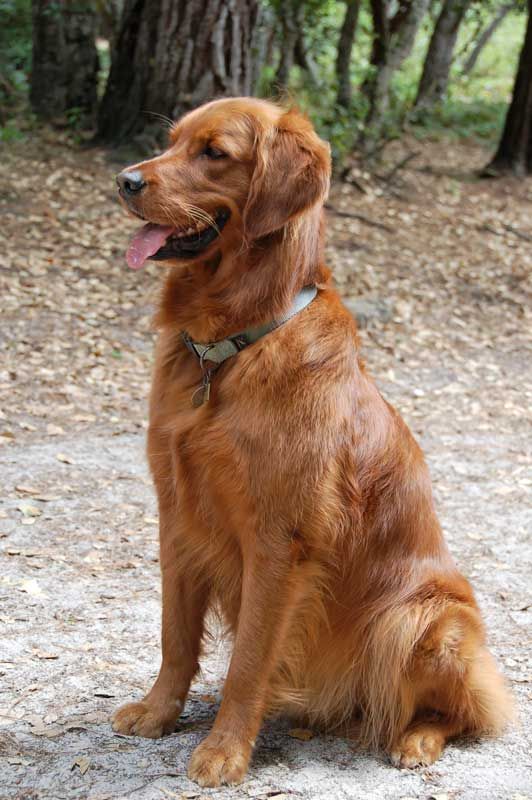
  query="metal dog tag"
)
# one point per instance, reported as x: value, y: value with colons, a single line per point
x: 203, y: 392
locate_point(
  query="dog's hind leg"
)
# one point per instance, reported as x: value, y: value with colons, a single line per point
x: 456, y: 687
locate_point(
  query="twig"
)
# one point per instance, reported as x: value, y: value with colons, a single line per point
x: 489, y: 229
x: 151, y: 780
x: 521, y: 234
x: 400, y: 165
x: 527, y: 237
x: 361, y: 218
x: 346, y: 177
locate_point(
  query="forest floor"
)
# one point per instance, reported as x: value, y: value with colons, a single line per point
x: 439, y: 264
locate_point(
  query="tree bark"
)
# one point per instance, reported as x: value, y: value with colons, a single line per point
x: 484, y: 38
x: 345, y: 48
x: 172, y: 55
x: 109, y: 12
x: 64, y: 59
x: 514, y: 153
x: 290, y: 16
x: 435, y: 77
x: 393, y: 39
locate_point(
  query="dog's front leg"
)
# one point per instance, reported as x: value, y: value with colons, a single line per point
x: 184, y: 601
x: 270, y: 590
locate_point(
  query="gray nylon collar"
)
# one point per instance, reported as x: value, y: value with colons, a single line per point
x: 220, y: 351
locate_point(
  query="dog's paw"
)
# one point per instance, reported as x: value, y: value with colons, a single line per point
x: 143, y: 719
x: 219, y: 760
x: 418, y: 747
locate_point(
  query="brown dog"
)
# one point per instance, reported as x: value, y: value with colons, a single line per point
x: 292, y: 497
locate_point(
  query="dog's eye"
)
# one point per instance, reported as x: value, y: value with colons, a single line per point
x: 213, y: 152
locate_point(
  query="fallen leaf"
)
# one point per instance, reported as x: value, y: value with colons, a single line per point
x: 301, y: 733
x: 42, y: 654
x: 83, y: 763
x: 64, y: 459
x: 54, y: 430
x: 28, y: 510
x: 208, y: 698
x: 30, y: 586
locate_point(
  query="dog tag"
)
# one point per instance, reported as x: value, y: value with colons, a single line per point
x: 203, y: 392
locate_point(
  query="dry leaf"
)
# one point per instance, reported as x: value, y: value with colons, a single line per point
x: 28, y: 510
x: 64, y: 459
x: 83, y: 763
x: 208, y: 698
x: 54, y: 430
x: 30, y: 586
x: 301, y: 733
x: 42, y: 654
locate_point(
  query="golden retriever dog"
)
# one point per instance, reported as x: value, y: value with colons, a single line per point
x: 292, y: 497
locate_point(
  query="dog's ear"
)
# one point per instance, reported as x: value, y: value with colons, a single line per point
x: 292, y: 174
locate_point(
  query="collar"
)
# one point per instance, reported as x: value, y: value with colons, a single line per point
x: 220, y: 351
x: 217, y: 352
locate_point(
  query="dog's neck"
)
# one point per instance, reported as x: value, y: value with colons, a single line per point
x: 245, y: 287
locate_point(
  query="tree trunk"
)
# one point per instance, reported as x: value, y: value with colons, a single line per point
x: 514, y: 153
x: 484, y: 38
x: 393, y: 39
x: 303, y: 58
x: 64, y: 60
x: 171, y: 56
x: 290, y: 15
x: 345, y: 48
x: 437, y: 66
x: 109, y: 12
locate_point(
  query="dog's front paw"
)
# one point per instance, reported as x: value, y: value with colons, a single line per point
x: 219, y: 760
x: 144, y: 719
x: 419, y: 746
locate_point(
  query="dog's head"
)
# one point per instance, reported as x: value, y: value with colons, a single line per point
x: 235, y: 170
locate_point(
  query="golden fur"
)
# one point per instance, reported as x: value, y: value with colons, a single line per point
x: 296, y: 500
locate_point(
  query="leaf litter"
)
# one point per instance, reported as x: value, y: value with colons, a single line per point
x: 441, y: 286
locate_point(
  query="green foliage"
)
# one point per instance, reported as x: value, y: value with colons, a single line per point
x: 10, y: 132
x: 475, y: 105
x: 474, y: 108
x: 15, y: 50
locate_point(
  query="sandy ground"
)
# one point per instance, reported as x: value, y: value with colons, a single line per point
x: 449, y: 344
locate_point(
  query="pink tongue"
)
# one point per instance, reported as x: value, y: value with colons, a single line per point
x: 145, y: 243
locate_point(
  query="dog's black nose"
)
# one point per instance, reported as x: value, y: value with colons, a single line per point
x: 130, y: 182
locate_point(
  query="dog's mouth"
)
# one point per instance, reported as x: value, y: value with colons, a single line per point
x: 163, y: 242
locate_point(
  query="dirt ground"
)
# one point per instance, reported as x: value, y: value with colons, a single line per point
x: 437, y: 265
